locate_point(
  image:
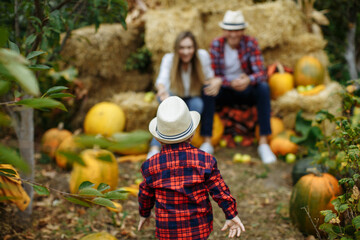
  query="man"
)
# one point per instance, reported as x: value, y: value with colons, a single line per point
x: 237, y: 60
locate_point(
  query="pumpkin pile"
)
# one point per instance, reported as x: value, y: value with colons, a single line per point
x: 307, y: 77
x: 279, y: 140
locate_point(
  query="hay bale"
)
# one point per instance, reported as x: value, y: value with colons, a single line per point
x: 206, y: 6
x: 102, y: 55
x: 162, y: 27
x: 288, y: 105
x: 138, y: 112
x: 291, y: 51
x: 274, y: 23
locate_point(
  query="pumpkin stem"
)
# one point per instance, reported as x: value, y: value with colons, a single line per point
x: 60, y: 126
x: 280, y: 67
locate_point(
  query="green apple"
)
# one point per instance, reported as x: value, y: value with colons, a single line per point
x: 238, y: 139
x: 149, y: 97
x: 301, y: 88
x: 246, y: 158
x: 237, y: 157
x: 290, y: 158
x: 309, y: 87
x: 223, y: 143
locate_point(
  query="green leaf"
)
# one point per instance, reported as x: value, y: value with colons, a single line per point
x: 78, y: 201
x: 41, y: 190
x: 14, y: 47
x: 105, y: 157
x: 8, y: 155
x: 86, y: 184
x: 41, y: 103
x: 7, y: 170
x: 103, y: 202
x: 356, y: 222
x: 5, y: 198
x: 90, y: 192
x: 24, y: 77
x: 4, y: 34
x: 102, y: 187
x: 4, y: 87
x: 56, y: 89
x: 5, y: 120
x: 39, y: 67
x: 329, y: 216
x: 90, y: 141
x: 343, y: 208
x: 72, y: 157
x: 60, y: 95
x: 117, y: 195
x: 29, y: 40
x: 34, y: 54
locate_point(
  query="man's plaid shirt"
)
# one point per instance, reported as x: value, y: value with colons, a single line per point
x: 177, y: 181
x: 251, y: 59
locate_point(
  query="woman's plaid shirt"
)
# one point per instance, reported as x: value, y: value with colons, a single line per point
x: 177, y: 181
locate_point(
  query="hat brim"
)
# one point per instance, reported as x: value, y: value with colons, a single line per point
x: 195, y: 116
x: 233, y: 27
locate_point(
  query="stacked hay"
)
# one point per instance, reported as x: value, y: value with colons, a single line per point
x: 162, y: 27
x: 279, y: 27
x: 296, y: 47
x: 100, y: 58
x: 138, y: 112
x: 288, y: 105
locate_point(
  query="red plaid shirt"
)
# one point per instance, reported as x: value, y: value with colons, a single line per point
x: 251, y: 59
x: 177, y: 181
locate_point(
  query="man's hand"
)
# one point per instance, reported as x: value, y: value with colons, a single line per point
x: 235, y: 226
x: 142, y: 221
x: 241, y: 83
x: 213, y: 86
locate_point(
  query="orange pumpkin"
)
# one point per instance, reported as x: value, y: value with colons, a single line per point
x: 96, y: 170
x: 282, y: 146
x: 52, y: 139
x: 104, y: 118
x: 217, y: 132
x: 277, y: 126
x: 280, y: 83
x: 315, y: 193
x: 308, y: 71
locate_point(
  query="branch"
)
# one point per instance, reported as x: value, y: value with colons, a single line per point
x: 308, y: 214
x: 60, y: 5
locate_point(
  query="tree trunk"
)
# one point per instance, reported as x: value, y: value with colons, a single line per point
x: 350, y: 53
x: 26, y: 146
x: 24, y: 128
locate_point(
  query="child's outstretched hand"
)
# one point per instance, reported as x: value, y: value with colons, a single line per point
x: 235, y: 226
x: 142, y: 221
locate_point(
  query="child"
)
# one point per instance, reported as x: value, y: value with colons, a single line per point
x: 177, y: 180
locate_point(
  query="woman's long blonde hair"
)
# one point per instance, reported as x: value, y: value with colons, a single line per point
x: 197, y: 77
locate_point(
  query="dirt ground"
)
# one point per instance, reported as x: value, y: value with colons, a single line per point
x: 262, y: 193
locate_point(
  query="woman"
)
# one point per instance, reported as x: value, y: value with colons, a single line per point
x: 187, y: 73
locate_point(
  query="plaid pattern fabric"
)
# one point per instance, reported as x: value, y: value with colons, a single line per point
x: 251, y: 59
x: 239, y: 120
x: 177, y: 181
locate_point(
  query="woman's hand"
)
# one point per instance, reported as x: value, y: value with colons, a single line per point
x: 162, y: 93
x: 213, y: 87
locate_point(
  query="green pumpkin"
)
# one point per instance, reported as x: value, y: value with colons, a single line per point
x: 302, y: 166
x: 313, y: 192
